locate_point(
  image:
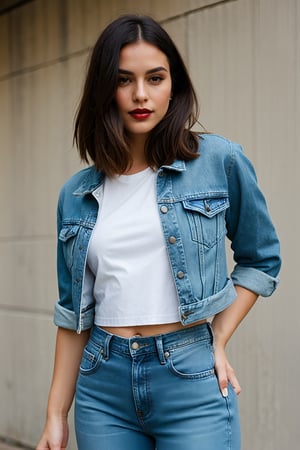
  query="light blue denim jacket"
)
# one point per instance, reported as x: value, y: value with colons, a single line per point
x: 200, y: 202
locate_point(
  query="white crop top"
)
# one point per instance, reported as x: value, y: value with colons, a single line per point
x: 127, y: 256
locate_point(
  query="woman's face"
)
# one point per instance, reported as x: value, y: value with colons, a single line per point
x: 144, y: 87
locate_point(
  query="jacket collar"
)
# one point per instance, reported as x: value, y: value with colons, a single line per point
x: 94, y: 178
x: 178, y: 166
x: 90, y: 182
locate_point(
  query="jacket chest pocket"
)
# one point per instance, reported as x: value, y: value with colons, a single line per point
x: 206, y: 218
x: 67, y: 237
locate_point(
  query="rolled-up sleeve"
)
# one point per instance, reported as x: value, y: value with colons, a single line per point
x: 64, y: 318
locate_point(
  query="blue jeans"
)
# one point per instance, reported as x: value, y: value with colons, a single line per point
x: 158, y: 392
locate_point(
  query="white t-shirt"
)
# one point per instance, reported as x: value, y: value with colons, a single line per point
x: 128, y: 257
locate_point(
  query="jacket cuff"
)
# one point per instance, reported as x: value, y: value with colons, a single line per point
x: 64, y: 318
x: 255, y: 280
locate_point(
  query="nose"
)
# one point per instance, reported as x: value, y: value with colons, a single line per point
x: 140, y: 92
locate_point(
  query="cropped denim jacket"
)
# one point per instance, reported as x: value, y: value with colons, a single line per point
x: 200, y: 203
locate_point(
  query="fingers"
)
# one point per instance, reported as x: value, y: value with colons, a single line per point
x: 225, y: 373
x: 225, y: 376
x: 222, y: 379
x: 55, y: 434
x: 233, y: 380
x: 46, y: 445
x: 50, y: 447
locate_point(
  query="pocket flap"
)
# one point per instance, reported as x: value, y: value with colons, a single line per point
x: 209, y: 207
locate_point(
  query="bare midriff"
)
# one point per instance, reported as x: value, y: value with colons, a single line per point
x: 149, y: 330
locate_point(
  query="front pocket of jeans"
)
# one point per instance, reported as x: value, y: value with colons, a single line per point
x: 191, y: 361
x: 206, y: 219
x: 92, y: 357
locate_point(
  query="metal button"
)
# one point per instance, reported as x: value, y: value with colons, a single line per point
x: 172, y: 239
x: 180, y: 274
x: 161, y: 173
x: 135, y: 345
x: 167, y: 354
x: 164, y: 209
x: 207, y: 207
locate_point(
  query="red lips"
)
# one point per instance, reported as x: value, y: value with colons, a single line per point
x: 140, y: 113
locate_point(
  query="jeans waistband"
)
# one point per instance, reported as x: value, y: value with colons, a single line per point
x: 160, y: 344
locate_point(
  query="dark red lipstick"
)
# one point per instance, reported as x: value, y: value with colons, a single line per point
x: 140, y: 113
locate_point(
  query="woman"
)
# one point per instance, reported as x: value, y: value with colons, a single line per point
x: 142, y: 263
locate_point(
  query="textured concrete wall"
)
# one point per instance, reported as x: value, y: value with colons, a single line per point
x: 244, y: 59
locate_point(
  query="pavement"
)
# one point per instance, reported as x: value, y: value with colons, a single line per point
x: 4, y: 446
x: 7, y: 445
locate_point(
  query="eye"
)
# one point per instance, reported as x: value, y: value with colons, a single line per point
x: 123, y: 81
x: 156, y: 79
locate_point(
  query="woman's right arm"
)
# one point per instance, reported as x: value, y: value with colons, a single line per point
x: 69, y: 348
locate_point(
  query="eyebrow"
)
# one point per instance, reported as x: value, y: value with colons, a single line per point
x: 156, y: 69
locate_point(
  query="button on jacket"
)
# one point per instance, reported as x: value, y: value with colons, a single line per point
x: 200, y: 202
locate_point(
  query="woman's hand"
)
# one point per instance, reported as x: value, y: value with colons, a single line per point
x: 224, y: 324
x: 55, y: 435
x: 69, y: 347
x: 225, y: 372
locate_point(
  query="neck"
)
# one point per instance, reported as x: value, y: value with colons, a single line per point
x: 137, y: 166
x: 137, y: 150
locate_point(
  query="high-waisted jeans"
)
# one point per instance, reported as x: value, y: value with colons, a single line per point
x: 159, y: 392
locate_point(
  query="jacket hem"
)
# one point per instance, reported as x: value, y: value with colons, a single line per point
x: 208, y: 307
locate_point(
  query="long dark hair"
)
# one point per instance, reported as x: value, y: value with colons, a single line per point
x: 99, y: 133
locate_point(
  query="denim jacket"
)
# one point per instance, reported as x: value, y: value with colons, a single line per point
x: 200, y: 202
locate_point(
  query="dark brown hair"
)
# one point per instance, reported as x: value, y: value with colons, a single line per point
x: 99, y: 133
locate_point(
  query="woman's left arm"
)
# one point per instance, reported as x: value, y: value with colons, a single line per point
x: 224, y: 324
x: 256, y: 251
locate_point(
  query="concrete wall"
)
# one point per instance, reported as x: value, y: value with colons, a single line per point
x: 244, y: 59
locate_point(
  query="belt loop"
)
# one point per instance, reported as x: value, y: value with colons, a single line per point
x: 160, y: 349
x: 106, y: 346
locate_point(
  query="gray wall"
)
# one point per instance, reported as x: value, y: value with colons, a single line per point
x: 244, y: 59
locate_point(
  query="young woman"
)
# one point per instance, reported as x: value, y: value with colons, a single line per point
x: 142, y: 263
